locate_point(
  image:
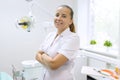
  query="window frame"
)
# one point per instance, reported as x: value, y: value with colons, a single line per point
x: 84, y: 19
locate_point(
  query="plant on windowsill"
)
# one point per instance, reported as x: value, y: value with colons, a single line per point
x: 107, y: 44
x: 93, y: 43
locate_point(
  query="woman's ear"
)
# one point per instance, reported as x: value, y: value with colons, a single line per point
x: 71, y: 22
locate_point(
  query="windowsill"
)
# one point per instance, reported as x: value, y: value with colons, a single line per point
x: 102, y: 51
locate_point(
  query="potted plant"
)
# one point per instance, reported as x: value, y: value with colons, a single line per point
x: 93, y: 42
x: 107, y: 43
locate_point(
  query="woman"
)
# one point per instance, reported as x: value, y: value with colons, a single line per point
x: 58, y: 50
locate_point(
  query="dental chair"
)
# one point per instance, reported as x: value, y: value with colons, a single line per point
x: 5, y: 76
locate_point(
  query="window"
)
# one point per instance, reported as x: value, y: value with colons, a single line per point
x: 104, y: 21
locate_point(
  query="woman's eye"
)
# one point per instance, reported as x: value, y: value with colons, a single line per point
x: 57, y: 15
x: 64, y: 16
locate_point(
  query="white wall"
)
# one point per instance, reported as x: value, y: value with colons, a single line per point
x: 17, y: 45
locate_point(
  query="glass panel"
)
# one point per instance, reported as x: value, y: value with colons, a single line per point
x: 104, y: 20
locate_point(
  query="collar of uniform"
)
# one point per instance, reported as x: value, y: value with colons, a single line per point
x: 65, y: 32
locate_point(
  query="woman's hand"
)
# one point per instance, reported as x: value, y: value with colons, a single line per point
x: 39, y: 56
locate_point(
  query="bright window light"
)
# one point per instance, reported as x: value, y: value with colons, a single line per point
x: 104, y: 21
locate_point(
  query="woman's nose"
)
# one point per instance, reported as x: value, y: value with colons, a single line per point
x: 59, y: 17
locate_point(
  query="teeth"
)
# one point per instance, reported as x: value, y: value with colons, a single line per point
x: 59, y: 22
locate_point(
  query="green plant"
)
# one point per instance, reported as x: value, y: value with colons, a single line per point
x: 93, y: 42
x: 108, y: 43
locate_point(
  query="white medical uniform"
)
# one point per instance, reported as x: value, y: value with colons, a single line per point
x: 67, y: 43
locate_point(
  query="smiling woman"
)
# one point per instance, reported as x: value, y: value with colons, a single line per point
x: 57, y: 53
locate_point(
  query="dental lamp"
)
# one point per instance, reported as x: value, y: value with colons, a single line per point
x: 26, y: 22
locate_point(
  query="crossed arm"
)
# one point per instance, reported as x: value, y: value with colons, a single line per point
x: 52, y: 63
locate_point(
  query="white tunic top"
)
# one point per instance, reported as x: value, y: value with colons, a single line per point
x: 67, y: 43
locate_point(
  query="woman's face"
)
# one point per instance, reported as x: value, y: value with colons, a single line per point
x: 62, y: 18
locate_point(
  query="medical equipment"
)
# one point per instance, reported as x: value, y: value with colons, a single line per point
x: 26, y: 22
x: 32, y: 70
x: 29, y: 21
x: 17, y: 75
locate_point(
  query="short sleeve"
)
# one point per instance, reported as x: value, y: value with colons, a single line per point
x: 69, y: 47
